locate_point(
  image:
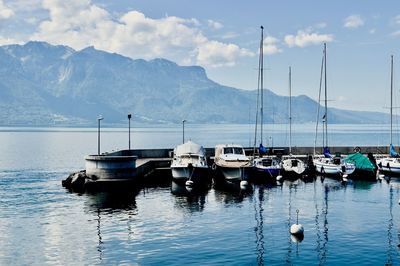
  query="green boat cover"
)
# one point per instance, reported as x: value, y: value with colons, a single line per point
x: 361, y: 162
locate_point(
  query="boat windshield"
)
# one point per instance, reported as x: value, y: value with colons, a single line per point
x: 233, y: 150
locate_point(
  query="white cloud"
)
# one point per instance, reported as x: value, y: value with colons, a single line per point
x: 396, y: 19
x: 79, y: 24
x: 214, y: 24
x: 372, y: 31
x: 271, y: 45
x: 395, y: 34
x: 306, y: 37
x: 230, y: 35
x: 5, y: 11
x: 217, y: 54
x: 321, y: 25
x: 353, y: 21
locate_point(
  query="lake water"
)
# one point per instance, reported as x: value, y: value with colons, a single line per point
x: 42, y: 223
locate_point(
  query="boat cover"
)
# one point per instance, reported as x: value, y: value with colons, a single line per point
x: 189, y: 147
x: 392, y: 151
x: 327, y: 153
x: 360, y: 161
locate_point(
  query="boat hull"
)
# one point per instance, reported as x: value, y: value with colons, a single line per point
x: 389, y: 166
x: 234, y: 174
x: 293, y: 168
x: 333, y: 169
x: 196, y: 174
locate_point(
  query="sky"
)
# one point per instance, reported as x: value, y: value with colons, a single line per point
x: 223, y: 37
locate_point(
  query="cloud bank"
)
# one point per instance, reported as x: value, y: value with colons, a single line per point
x: 79, y: 23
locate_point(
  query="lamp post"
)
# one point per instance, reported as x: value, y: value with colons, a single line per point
x: 183, y: 130
x: 99, y: 118
x: 129, y: 119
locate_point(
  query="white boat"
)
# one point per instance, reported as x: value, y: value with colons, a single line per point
x: 189, y: 162
x: 231, y: 161
x: 329, y: 164
x: 292, y: 167
x: 333, y: 166
x: 390, y: 165
x: 265, y: 168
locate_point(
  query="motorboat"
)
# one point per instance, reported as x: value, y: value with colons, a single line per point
x: 189, y: 163
x: 231, y: 162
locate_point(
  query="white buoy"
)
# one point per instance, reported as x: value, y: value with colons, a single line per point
x: 297, y: 229
x: 279, y: 178
x: 189, y: 185
x: 244, y: 184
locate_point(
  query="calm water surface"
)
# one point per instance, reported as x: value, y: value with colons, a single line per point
x: 42, y: 223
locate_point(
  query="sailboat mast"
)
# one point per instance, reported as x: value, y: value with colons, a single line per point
x: 262, y: 81
x: 391, y: 100
x: 326, y: 100
x: 290, y: 110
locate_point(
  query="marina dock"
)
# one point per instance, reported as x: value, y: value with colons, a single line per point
x: 152, y: 166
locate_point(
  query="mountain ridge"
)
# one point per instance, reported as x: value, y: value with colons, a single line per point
x: 44, y: 84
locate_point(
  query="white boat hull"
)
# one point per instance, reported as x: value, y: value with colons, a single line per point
x: 186, y: 173
x: 234, y: 174
x: 328, y: 168
x: 293, y: 166
x: 389, y: 165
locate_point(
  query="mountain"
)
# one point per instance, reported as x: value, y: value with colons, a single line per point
x: 42, y: 84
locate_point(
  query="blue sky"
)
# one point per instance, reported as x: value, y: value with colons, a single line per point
x: 223, y: 36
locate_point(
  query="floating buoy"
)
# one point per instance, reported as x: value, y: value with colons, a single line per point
x: 297, y: 229
x: 244, y: 184
x: 297, y: 238
x: 279, y: 178
x: 344, y: 178
x: 189, y: 185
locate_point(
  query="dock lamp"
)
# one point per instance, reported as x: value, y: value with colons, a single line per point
x: 129, y: 119
x: 99, y: 118
x: 183, y: 130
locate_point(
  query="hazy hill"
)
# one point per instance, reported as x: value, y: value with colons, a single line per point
x: 42, y: 84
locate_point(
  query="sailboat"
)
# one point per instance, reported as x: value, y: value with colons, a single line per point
x: 266, y: 168
x: 293, y: 168
x: 391, y: 164
x: 329, y: 164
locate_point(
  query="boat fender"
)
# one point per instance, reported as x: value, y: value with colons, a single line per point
x: 244, y: 184
x: 297, y: 229
x: 214, y: 167
x: 322, y: 170
x: 388, y: 165
x: 189, y: 185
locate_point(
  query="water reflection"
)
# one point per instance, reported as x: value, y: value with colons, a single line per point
x: 390, y: 249
x: 104, y: 203
x: 259, y: 229
x: 111, y: 201
x: 322, y: 217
